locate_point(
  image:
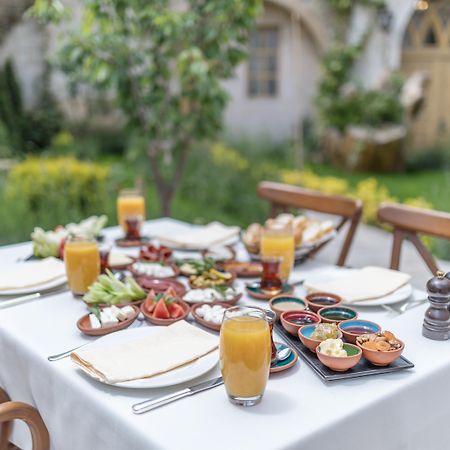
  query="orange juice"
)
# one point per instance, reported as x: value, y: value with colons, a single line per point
x: 279, y: 243
x: 82, y: 259
x: 130, y: 203
x: 245, y: 354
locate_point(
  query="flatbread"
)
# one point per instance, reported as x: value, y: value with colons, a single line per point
x: 362, y: 284
x: 29, y: 274
x: 171, y: 347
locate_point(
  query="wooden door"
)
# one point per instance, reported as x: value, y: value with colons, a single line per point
x: 427, y: 47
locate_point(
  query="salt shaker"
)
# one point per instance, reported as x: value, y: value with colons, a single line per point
x: 436, y: 324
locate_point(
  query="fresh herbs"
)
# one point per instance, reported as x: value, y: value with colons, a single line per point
x: 108, y: 289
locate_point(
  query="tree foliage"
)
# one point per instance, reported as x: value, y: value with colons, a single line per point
x: 162, y: 62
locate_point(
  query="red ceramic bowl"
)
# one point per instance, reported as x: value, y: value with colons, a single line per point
x: 341, y: 363
x: 292, y: 321
x: 319, y: 300
x: 381, y: 359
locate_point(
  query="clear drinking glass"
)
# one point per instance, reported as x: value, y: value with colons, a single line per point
x: 130, y: 204
x: 245, y: 354
x: 278, y: 240
x: 82, y: 260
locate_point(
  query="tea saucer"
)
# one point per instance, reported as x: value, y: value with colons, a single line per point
x: 255, y: 291
x: 287, y: 363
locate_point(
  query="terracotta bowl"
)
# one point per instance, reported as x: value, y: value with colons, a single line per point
x: 227, y: 283
x: 202, y: 321
x: 341, y: 363
x: 174, y: 267
x: 365, y: 326
x: 287, y: 320
x: 156, y: 321
x: 319, y: 300
x: 160, y: 285
x: 305, y: 332
x: 85, y: 327
x: 337, y: 314
x: 231, y: 301
x: 381, y: 359
x: 286, y: 298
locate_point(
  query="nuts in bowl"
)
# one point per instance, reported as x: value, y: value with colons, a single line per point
x: 381, y: 348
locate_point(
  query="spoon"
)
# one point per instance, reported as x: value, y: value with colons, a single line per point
x: 281, y: 356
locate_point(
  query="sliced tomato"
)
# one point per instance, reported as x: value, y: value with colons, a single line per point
x: 149, y: 304
x: 161, y: 311
x: 177, y: 311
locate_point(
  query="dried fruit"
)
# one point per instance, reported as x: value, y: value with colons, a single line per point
x: 383, y: 346
x: 371, y: 345
x: 384, y: 341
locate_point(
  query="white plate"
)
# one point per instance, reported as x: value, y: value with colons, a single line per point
x: 397, y: 296
x: 171, y: 378
x: 37, y: 288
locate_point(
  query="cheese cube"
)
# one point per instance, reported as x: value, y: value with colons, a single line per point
x: 107, y: 319
x: 94, y: 322
x: 128, y: 311
x: 118, y: 313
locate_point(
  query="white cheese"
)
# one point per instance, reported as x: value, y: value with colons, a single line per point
x: 128, y: 311
x: 107, y: 318
x: 94, y: 322
x: 118, y: 313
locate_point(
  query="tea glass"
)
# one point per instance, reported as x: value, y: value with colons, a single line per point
x: 130, y: 202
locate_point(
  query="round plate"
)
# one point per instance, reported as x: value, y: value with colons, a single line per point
x: 255, y: 292
x: 397, y: 296
x: 126, y: 243
x: 171, y: 378
x: 160, y: 285
x: 84, y: 325
x: 57, y: 282
x: 287, y: 363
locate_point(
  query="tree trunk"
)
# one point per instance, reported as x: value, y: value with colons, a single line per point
x: 165, y: 196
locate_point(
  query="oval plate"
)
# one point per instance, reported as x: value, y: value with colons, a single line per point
x: 176, y: 376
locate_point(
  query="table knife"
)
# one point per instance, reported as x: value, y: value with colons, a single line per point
x: 148, y: 405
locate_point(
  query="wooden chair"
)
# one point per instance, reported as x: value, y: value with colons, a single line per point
x: 408, y: 223
x: 10, y: 411
x: 284, y: 196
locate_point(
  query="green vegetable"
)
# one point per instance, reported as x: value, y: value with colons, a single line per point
x: 108, y: 289
x: 196, y: 266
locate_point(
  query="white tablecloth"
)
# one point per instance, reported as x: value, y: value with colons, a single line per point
x: 405, y: 410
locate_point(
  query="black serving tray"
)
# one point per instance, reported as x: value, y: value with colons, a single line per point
x: 363, y: 369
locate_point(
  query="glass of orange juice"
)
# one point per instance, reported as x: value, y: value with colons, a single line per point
x: 245, y: 354
x: 278, y: 241
x: 130, y: 203
x: 82, y: 260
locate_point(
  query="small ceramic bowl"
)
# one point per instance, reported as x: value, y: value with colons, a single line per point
x: 156, y: 321
x: 381, y: 359
x: 292, y: 321
x: 226, y: 283
x: 351, y: 329
x: 319, y: 300
x: 337, y: 314
x: 341, y: 363
x: 290, y: 304
x: 160, y: 285
x: 202, y: 321
x: 231, y: 301
x: 305, y: 332
x: 84, y: 325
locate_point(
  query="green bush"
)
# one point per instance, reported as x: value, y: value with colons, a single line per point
x: 46, y: 192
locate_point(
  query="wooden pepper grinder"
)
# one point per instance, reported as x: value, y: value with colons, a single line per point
x: 436, y: 324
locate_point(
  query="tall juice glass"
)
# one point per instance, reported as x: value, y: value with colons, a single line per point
x: 82, y: 259
x: 278, y: 241
x: 245, y: 354
x: 130, y: 203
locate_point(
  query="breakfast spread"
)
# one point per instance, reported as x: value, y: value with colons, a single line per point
x: 332, y: 347
x: 324, y: 331
x: 384, y: 341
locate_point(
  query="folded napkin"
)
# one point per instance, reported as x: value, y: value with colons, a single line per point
x: 361, y: 284
x: 200, y: 238
x: 159, y: 352
x: 29, y: 274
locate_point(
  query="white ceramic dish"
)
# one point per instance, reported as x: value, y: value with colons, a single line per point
x: 36, y: 288
x: 397, y: 296
x: 174, y: 377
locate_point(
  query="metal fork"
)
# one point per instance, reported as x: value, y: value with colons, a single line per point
x: 406, y: 306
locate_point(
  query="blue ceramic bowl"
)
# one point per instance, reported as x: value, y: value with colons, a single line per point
x: 304, y: 334
x: 337, y: 314
x: 351, y: 329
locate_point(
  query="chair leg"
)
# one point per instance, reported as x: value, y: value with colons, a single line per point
x: 17, y: 410
x: 348, y: 239
x: 424, y: 253
x: 5, y: 427
x: 396, y: 249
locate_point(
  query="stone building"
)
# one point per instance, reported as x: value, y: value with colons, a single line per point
x: 273, y: 92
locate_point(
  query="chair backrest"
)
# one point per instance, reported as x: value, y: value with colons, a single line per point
x: 408, y: 222
x: 284, y: 196
x: 10, y: 411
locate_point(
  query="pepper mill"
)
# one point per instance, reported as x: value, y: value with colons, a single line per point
x: 436, y: 324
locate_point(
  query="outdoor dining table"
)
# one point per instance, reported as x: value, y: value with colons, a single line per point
x: 403, y: 410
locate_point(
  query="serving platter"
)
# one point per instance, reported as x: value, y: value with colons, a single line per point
x: 362, y: 369
x: 176, y: 376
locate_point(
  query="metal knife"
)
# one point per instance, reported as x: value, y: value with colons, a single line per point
x: 148, y: 405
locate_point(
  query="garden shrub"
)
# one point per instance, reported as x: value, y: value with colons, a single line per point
x: 57, y: 190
